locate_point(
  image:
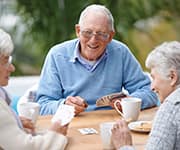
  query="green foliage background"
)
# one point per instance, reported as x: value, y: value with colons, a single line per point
x: 141, y: 24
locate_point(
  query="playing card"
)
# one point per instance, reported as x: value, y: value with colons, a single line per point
x: 87, y: 131
x: 64, y: 114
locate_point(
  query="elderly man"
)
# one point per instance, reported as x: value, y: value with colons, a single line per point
x: 91, y: 66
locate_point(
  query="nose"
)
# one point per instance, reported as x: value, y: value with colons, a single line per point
x: 11, y: 68
x: 94, y: 39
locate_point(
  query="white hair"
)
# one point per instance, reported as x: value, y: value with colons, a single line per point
x: 6, y: 44
x: 164, y: 58
x: 97, y: 8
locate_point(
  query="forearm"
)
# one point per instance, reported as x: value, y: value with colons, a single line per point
x: 12, y: 137
x: 149, y: 98
x: 49, y: 106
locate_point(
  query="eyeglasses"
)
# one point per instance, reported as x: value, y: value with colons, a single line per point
x: 98, y: 35
x: 8, y: 63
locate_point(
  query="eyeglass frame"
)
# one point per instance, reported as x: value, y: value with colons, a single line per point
x: 9, y: 62
x: 98, y: 35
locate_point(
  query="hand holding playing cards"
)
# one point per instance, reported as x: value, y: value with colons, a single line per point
x: 79, y: 103
x: 57, y: 127
x: 62, y: 118
x: 63, y: 115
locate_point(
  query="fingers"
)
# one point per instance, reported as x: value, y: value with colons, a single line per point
x: 79, y: 103
x: 117, y: 104
x: 120, y: 134
x: 56, y: 127
x: 27, y: 123
x: 82, y: 101
x: 120, y: 125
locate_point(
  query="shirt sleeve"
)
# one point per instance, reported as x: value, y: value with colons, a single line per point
x: 136, y: 82
x: 49, y: 92
x: 12, y: 137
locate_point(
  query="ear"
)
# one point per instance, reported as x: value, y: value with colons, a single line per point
x: 112, y: 33
x: 173, y: 77
x: 77, y: 29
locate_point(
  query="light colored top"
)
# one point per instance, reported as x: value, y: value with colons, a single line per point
x: 64, y: 74
x: 4, y: 96
x: 13, y: 138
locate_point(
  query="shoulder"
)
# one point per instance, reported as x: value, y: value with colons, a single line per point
x: 115, y: 44
x: 63, y: 50
x: 3, y: 105
x: 118, y: 47
x: 5, y: 112
x: 64, y: 47
x: 170, y: 108
x: 174, y: 97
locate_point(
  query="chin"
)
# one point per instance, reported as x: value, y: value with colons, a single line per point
x: 161, y: 98
x: 4, y: 83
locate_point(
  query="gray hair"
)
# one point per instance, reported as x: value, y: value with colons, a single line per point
x: 164, y: 58
x: 97, y: 8
x: 6, y: 44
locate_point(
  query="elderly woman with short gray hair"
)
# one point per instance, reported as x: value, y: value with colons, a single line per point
x: 164, y: 63
x: 13, y: 137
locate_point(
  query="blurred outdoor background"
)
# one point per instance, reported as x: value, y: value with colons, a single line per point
x: 37, y: 25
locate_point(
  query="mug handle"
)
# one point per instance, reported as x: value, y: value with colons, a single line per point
x: 116, y: 108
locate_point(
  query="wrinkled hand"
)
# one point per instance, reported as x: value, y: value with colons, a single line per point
x: 28, y: 125
x: 56, y: 127
x: 79, y: 103
x: 121, y: 135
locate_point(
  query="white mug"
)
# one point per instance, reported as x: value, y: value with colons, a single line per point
x: 131, y: 107
x: 29, y: 110
x: 105, y: 133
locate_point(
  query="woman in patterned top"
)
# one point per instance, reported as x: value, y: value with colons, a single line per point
x: 164, y: 62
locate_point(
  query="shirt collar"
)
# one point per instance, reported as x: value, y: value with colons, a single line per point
x: 76, y: 55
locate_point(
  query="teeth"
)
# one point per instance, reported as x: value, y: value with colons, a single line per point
x: 93, y: 47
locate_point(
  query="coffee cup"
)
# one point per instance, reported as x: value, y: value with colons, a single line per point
x: 131, y: 107
x: 29, y: 110
x: 105, y: 133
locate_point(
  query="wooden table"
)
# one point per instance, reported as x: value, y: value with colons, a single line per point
x: 77, y: 141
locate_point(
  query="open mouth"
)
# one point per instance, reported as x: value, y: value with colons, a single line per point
x: 93, y: 47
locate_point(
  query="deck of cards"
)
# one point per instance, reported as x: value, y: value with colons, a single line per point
x: 107, y: 99
x: 64, y: 114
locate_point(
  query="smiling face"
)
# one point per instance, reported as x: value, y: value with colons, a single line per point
x: 6, y: 68
x: 163, y: 86
x: 93, y: 47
